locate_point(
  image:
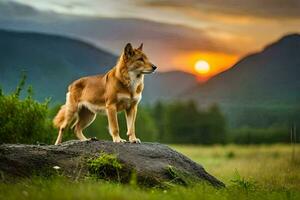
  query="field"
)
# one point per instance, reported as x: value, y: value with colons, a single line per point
x: 270, y: 166
x: 250, y: 172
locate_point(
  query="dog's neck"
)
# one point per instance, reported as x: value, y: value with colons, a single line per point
x: 129, y: 79
x: 135, y: 80
x: 122, y: 72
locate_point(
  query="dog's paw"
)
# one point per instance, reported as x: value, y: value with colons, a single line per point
x: 119, y: 140
x: 92, y: 139
x: 135, y: 140
x: 89, y: 139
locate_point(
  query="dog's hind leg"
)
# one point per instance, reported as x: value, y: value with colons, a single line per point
x: 85, y: 118
x: 67, y: 115
x: 59, y: 137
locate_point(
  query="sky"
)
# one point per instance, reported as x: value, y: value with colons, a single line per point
x: 176, y: 33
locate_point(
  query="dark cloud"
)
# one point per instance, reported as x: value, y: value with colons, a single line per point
x: 10, y: 9
x: 170, y: 36
x: 253, y: 8
x: 164, y: 41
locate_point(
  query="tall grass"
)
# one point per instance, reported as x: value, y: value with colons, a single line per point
x: 59, y: 188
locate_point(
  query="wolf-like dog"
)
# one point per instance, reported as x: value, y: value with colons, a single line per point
x: 120, y: 89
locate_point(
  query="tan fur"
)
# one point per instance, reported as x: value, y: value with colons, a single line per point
x: 117, y: 90
x: 59, y: 118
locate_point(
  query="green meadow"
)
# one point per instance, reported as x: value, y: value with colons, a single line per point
x: 249, y: 172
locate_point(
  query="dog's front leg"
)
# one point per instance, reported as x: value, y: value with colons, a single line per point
x: 130, y: 119
x: 113, y: 123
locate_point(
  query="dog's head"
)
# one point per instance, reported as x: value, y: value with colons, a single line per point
x: 136, y: 60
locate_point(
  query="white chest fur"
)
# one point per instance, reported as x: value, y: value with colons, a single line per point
x: 135, y: 80
x: 126, y: 98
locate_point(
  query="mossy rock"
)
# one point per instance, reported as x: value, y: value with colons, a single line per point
x: 147, y: 164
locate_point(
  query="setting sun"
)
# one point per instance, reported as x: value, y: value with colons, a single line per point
x: 204, y: 64
x: 202, y: 67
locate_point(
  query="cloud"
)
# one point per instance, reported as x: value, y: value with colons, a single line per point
x: 164, y: 41
x: 168, y: 28
x: 247, y: 8
x: 10, y: 9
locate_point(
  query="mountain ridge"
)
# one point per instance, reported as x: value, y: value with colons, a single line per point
x: 52, y: 62
x: 260, y: 66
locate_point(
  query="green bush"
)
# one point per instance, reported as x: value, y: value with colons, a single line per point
x: 24, y: 120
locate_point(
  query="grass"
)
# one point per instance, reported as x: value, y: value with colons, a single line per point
x: 250, y: 172
x: 270, y: 166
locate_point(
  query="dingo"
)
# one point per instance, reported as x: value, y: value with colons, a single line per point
x: 119, y: 89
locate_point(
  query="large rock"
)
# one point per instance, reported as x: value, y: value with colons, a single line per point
x: 151, y: 163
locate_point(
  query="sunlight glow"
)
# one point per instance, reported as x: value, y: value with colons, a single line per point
x: 218, y: 62
x: 202, y: 67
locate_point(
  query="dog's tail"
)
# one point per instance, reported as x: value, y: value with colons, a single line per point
x: 60, y: 117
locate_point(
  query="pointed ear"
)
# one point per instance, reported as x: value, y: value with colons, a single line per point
x: 140, y: 47
x: 128, y: 51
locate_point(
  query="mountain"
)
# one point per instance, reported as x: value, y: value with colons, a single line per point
x: 261, y: 90
x: 52, y: 62
x: 267, y: 77
x: 167, y: 85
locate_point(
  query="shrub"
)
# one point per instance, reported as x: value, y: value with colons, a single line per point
x: 24, y: 120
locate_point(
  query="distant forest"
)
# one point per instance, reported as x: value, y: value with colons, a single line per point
x: 25, y: 120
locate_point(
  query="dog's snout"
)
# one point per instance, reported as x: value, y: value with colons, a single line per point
x: 154, y: 67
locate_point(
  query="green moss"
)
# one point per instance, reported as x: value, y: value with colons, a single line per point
x: 105, y: 160
x: 106, y: 167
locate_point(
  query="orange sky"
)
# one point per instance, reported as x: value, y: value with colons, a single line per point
x: 176, y: 34
x: 218, y: 62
